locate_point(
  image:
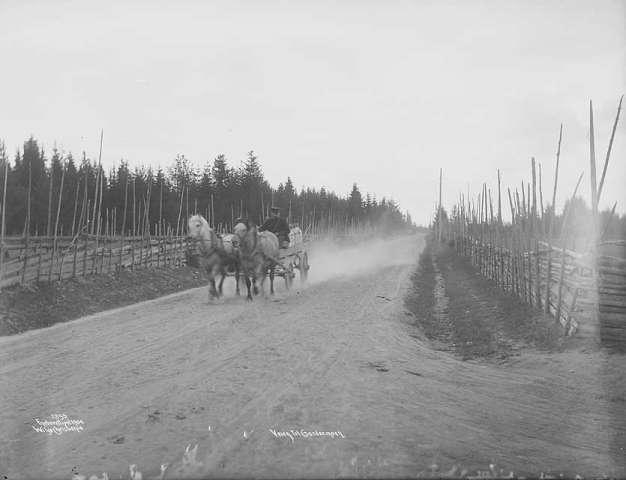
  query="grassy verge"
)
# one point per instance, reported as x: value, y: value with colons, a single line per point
x: 465, y: 313
x: 36, y: 306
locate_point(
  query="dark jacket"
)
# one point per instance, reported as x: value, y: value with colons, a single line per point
x: 278, y: 226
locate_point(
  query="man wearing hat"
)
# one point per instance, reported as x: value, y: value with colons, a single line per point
x: 277, y: 225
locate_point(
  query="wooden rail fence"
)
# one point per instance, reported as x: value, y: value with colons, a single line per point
x: 583, y: 291
x: 558, y: 281
x: 83, y: 255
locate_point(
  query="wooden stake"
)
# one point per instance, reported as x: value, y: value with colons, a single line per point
x: 86, y: 237
x: 180, y: 209
x: 92, y: 229
x: 439, y: 226
x: 499, y: 201
x: 56, y: 224
x: 187, y: 210
x: 551, y: 225
x: 27, y: 226
x: 512, y: 208
x: 608, y: 152
x: 161, y: 208
x: 49, y: 223
x: 212, y: 213
x: 97, y: 204
x: 594, y: 188
x: 98, y: 216
x: 566, y: 215
x: 534, y: 203
x: 4, y: 204
x: 75, y: 257
x: 75, y: 206
x: 132, y: 243
x: 541, y: 202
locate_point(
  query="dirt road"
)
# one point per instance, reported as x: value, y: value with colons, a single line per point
x: 340, y: 355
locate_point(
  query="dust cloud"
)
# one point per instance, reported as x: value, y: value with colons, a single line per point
x: 329, y: 259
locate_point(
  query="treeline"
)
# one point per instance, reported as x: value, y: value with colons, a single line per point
x: 611, y: 226
x: 67, y: 194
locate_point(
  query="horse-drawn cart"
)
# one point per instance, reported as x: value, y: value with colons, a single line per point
x: 225, y: 254
x: 291, y: 259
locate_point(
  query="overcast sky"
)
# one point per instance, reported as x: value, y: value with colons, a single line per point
x: 382, y: 93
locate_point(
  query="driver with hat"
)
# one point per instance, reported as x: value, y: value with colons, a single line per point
x: 277, y: 225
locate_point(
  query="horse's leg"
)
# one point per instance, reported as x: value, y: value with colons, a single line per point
x: 223, y: 273
x: 237, y: 280
x: 248, y: 287
x: 262, y: 273
x: 212, y: 290
x: 272, y: 279
x: 214, y: 293
x: 256, y: 289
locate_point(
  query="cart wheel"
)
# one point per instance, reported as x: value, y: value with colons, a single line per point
x: 304, y: 267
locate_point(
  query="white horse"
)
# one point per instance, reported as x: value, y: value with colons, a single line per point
x: 216, y: 255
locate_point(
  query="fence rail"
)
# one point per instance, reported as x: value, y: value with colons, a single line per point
x: 43, y: 258
x: 559, y: 281
x: 40, y: 259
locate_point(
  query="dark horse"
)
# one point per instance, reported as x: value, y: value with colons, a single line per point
x: 259, y: 252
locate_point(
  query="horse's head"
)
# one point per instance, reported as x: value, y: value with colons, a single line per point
x: 246, y: 231
x: 241, y: 228
x: 197, y: 226
x: 199, y: 229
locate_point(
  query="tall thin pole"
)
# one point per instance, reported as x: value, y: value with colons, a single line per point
x: 551, y: 223
x: 27, y: 226
x: 75, y: 206
x: 180, y: 210
x: 187, y: 204
x: 608, y: 152
x: 592, y: 161
x: 49, y: 223
x: 566, y: 216
x: 98, y: 210
x: 499, y: 201
x: 132, y: 243
x: 95, y: 203
x: 594, y: 210
x: 124, y: 219
x: 161, y: 207
x: 212, y: 213
x: 56, y: 224
x: 147, y: 202
x: 533, y: 207
x: 439, y: 226
x: 543, y: 227
x: 4, y: 203
x: 100, y: 172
